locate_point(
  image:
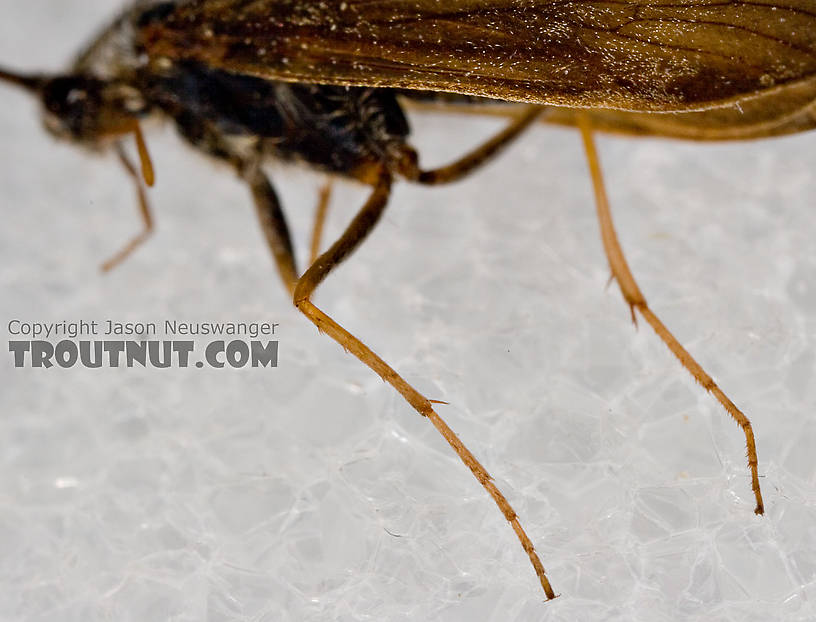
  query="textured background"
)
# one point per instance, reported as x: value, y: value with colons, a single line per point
x: 312, y: 492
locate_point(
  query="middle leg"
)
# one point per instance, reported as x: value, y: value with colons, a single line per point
x: 356, y: 232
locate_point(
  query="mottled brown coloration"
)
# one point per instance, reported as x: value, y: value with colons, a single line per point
x: 630, y: 55
x: 321, y: 84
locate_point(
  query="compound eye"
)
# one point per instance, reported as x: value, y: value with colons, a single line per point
x: 61, y: 94
x: 69, y: 103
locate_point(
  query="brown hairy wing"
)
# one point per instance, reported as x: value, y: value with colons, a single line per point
x: 625, y: 54
x: 773, y: 113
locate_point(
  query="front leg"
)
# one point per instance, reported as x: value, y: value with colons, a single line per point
x: 144, y: 209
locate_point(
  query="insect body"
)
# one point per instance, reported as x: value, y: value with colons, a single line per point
x: 321, y: 84
x: 241, y: 119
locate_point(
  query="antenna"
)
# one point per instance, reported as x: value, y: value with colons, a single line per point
x: 30, y: 83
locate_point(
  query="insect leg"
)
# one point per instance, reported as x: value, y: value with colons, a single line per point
x: 144, y: 211
x: 273, y: 223
x: 323, y: 199
x: 636, y: 301
x: 477, y: 157
x: 360, y: 227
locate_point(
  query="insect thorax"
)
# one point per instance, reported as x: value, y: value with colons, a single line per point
x: 230, y: 115
x: 239, y: 117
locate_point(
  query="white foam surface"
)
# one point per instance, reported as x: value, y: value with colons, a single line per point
x: 312, y: 491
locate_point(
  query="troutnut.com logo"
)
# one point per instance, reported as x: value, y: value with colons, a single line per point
x: 166, y: 344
